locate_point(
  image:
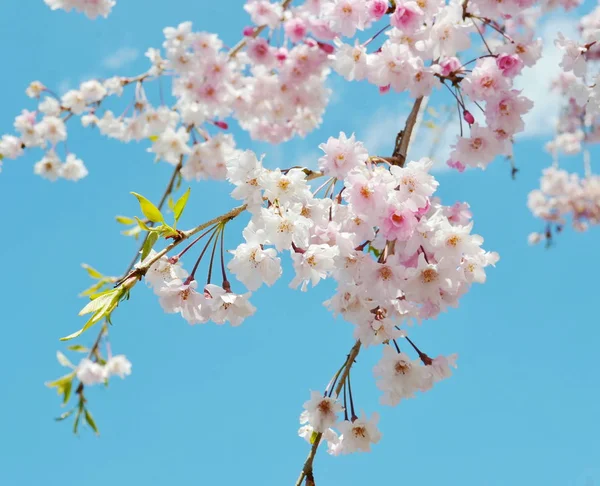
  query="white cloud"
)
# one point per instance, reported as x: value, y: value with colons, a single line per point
x: 427, y: 141
x: 535, y: 81
x: 120, y: 58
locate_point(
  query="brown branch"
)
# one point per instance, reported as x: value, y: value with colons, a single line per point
x: 404, y: 137
x: 307, y: 469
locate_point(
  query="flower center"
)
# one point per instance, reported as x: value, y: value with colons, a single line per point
x: 429, y: 275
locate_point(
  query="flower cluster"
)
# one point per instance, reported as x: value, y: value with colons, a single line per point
x: 177, y: 293
x: 92, y: 8
x: 562, y: 194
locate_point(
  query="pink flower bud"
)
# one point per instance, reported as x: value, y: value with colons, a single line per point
x: 295, y: 29
x: 449, y: 66
x: 221, y: 124
x: 281, y: 54
x: 384, y: 89
x: 248, y: 31
x: 377, y: 8
x: 455, y: 164
x: 509, y: 64
x: 328, y: 48
x: 469, y: 118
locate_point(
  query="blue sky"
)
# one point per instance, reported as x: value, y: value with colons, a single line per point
x: 216, y: 405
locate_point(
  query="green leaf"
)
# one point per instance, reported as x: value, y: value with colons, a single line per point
x: 134, y: 231
x: 61, y: 383
x: 78, y: 348
x: 63, y: 360
x: 143, y: 225
x: 67, y: 392
x: 108, y: 302
x: 65, y: 415
x: 171, y: 203
x: 76, y: 423
x: 101, y: 301
x: 150, y: 210
x: 165, y: 230
x: 180, y: 204
x: 1, y: 156
x: 153, y: 138
x: 149, y: 244
x: 90, y: 420
x: 92, y: 271
x: 93, y: 289
x: 125, y: 220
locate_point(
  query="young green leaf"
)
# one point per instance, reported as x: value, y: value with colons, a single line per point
x: 61, y: 383
x: 93, y: 289
x: 90, y: 420
x: 171, y: 203
x: 92, y: 271
x: 149, y: 244
x: 63, y: 360
x: 78, y: 348
x: 65, y: 415
x: 76, y: 423
x: 150, y: 210
x: 99, y: 302
x: 67, y: 392
x: 125, y: 220
x: 143, y: 225
x: 180, y: 204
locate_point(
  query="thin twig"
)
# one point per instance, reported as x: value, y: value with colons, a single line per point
x: 307, y: 469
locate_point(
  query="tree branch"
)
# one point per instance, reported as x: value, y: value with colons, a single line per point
x: 404, y: 137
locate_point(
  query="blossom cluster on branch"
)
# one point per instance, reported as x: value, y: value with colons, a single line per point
x: 398, y: 255
x: 566, y: 195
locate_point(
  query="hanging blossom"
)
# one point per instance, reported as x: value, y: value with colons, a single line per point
x: 277, y: 92
x: 92, y: 8
x: 564, y: 195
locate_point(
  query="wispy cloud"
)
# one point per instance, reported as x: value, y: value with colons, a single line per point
x: 121, y: 57
x: 430, y: 139
x: 535, y: 82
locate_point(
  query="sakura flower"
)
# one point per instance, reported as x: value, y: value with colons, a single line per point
x: 171, y: 145
x: 161, y: 271
x: 320, y: 412
x: 73, y: 169
x: 283, y: 229
x: 399, y: 376
x: 407, y: 16
x: 358, y: 434
x: 53, y: 129
x: 252, y: 264
x: 398, y: 224
x: 10, y: 147
x: 118, y: 365
x: 350, y: 61
x: 285, y: 188
x: 345, y: 16
x: 91, y: 373
x: 182, y: 297
x: 313, y: 264
x: 341, y: 155
x: 227, y: 306
x: 264, y: 12
x: 49, y: 167
x: 478, y: 150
